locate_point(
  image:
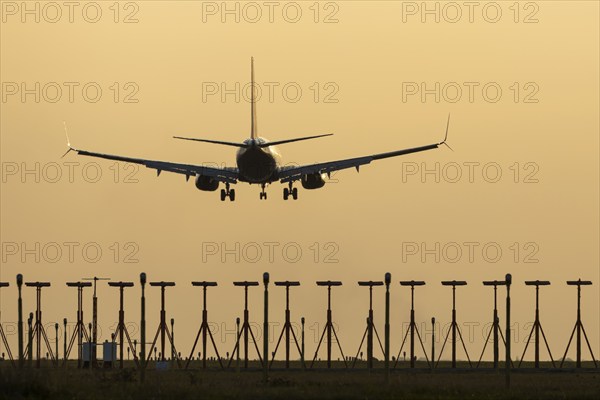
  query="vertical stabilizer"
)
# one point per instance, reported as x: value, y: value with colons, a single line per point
x: 253, y: 130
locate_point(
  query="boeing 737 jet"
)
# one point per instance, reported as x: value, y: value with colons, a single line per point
x: 258, y: 162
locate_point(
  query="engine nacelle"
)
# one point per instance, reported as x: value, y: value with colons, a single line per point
x: 207, y: 183
x: 313, y: 181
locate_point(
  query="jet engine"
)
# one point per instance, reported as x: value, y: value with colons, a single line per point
x: 207, y: 183
x: 313, y: 181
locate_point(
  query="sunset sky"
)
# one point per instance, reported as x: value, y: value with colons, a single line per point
x: 518, y: 194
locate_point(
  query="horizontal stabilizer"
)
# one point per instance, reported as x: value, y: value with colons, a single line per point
x: 213, y: 141
x: 292, y: 140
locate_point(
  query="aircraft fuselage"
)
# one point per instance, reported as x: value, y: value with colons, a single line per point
x: 257, y: 164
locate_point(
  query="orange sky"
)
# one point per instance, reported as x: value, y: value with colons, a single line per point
x: 361, y: 68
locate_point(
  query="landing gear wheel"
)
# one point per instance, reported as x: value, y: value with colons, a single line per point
x: 286, y: 193
x: 232, y: 195
x: 295, y: 193
x: 263, y: 194
x: 223, y: 194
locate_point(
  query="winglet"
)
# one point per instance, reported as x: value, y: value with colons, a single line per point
x: 446, y: 137
x: 68, y: 141
x: 67, y: 133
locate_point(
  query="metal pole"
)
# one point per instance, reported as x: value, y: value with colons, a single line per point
x: 302, y: 355
x: 412, y: 327
x: 388, y: 279
x: 266, y: 330
x: 173, y: 355
x: 453, y: 326
x: 329, y: 326
x: 204, y: 324
x: 94, y: 326
x: 65, y: 342
x: 163, y: 323
x: 537, y: 327
x: 370, y: 331
x: 508, y: 358
x: 287, y: 326
x: 56, y: 344
x: 432, y: 343
x: 245, y: 327
x: 36, y: 327
x: 90, y: 346
x: 143, y: 328
x: 496, y: 327
x: 237, y: 355
x: 80, y: 327
x: 579, y: 326
x: 20, y: 321
x: 30, y: 339
x: 121, y: 325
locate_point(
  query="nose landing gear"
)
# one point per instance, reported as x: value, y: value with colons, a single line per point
x: 227, y: 193
x: 263, y: 194
x: 291, y: 191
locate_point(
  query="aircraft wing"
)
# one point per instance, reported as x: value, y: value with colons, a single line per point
x: 229, y: 175
x: 291, y: 174
x: 295, y: 173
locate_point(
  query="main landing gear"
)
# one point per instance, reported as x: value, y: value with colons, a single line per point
x: 291, y: 191
x: 227, y: 193
x: 263, y: 194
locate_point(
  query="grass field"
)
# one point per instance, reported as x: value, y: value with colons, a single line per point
x: 337, y: 383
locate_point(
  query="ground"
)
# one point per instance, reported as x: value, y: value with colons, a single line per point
x: 337, y: 383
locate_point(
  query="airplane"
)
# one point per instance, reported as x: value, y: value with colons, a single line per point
x: 258, y: 162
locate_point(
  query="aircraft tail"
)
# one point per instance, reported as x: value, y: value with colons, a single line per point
x: 253, y: 130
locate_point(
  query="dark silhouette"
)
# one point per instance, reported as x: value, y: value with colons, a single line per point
x: 370, y: 327
x: 163, y: 329
x: 495, y: 325
x: 204, y: 328
x: 80, y: 330
x: 21, y: 348
x: 258, y: 163
x: 287, y: 327
x: 266, y: 328
x: 94, y: 328
x: 537, y: 326
x: 143, y: 360
x: 2, y: 335
x: 579, y: 326
x: 508, y: 362
x: 388, y: 281
x: 432, y: 344
x: 412, y: 327
x: 38, y: 328
x: 329, y: 328
x: 245, y: 328
x: 454, y: 326
x: 121, y: 330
